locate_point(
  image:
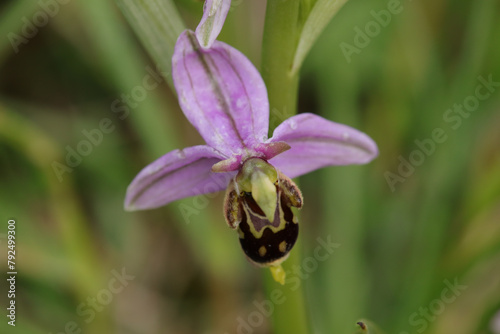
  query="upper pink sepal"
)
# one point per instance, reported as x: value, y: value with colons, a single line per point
x: 221, y: 93
x: 214, y: 15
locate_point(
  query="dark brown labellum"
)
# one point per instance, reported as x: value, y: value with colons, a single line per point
x: 264, y: 242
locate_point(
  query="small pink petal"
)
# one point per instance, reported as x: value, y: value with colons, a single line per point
x: 214, y: 15
x: 272, y: 149
x: 228, y: 165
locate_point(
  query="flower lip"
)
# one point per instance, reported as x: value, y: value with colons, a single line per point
x: 265, y: 238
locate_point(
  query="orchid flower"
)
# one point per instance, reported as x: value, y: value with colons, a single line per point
x: 224, y: 97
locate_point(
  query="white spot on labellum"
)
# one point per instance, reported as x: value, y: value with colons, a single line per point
x: 345, y: 135
x: 293, y: 124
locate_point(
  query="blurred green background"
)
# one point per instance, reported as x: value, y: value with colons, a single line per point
x: 417, y: 231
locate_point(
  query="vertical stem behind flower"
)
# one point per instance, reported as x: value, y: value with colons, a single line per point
x: 281, y: 33
x: 291, y: 316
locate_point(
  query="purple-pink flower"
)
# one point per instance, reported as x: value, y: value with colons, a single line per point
x: 223, y: 95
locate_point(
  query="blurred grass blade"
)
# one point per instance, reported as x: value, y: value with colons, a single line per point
x: 119, y: 58
x: 11, y: 22
x: 158, y: 24
x: 480, y: 25
x: 320, y: 15
x: 63, y: 204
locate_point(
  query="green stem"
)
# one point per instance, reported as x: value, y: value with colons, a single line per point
x: 281, y: 33
x: 290, y: 314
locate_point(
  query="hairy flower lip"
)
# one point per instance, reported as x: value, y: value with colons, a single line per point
x: 267, y: 227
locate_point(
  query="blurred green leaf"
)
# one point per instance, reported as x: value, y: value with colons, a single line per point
x: 11, y: 24
x: 320, y: 15
x: 122, y: 62
x: 158, y: 25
